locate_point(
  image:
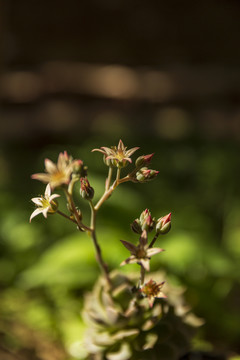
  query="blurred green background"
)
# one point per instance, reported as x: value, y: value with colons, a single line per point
x: 75, y: 76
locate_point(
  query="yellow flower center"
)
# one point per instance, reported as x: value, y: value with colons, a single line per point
x: 45, y: 202
x: 58, y: 176
x: 120, y: 155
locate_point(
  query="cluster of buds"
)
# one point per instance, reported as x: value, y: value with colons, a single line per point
x: 142, y: 173
x: 145, y: 174
x: 145, y: 222
x: 148, y: 223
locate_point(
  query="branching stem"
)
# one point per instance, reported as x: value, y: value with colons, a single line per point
x: 75, y: 212
x: 66, y: 216
x: 109, y: 190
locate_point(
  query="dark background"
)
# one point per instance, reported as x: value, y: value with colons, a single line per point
x: 78, y: 75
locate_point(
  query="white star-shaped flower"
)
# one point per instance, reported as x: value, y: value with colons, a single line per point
x: 45, y: 204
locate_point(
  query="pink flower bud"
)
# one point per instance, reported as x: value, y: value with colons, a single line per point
x: 143, y: 160
x: 164, y: 224
x: 146, y: 221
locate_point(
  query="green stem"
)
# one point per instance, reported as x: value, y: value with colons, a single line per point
x: 108, y: 181
x: 71, y: 184
x: 118, y: 174
x: 125, y: 179
x: 104, y: 198
x: 109, y: 191
x: 153, y: 240
x: 99, y: 257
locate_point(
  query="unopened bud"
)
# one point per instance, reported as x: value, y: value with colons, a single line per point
x: 163, y: 225
x: 77, y: 166
x: 143, y: 160
x: 146, y: 221
x: 136, y: 227
x: 79, y: 169
x: 86, y: 191
x: 145, y: 174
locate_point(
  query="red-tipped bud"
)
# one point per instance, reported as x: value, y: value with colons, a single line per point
x: 86, y: 191
x: 143, y: 160
x: 145, y: 174
x: 146, y: 221
x: 163, y: 225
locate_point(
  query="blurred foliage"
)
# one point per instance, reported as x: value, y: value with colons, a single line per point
x: 46, y: 266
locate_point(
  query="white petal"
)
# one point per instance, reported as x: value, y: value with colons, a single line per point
x: 47, y: 191
x: 145, y: 264
x: 37, y: 201
x: 153, y: 251
x: 161, y: 295
x: 35, y: 213
x: 45, y: 211
x: 131, y: 260
x: 53, y: 196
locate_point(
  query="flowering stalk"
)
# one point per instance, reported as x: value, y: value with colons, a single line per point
x: 68, y: 172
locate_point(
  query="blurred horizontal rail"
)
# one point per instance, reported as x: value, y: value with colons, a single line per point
x: 119, y: 82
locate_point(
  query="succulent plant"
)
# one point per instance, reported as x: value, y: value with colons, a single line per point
x: 121, y: 325
x: 127, y: 317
